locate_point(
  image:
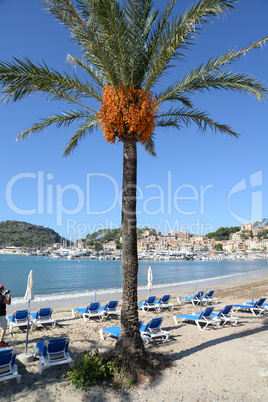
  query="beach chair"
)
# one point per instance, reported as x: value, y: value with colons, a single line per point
x: 114, y: 332
x: 192, y: 299
x: 148, y: 304
x: 8, y: 368
x: 255, y: 308
x: 153, y: 330
x: 19, y: 319
x: 208, y: 298
x: 263, y: 305
x: 202, y: 319
x: 225, y: 316
x: 91, y: 311
x: 42, y: 316
x: 52, y: 352
x: 163, y: 303
x: 110, y: 309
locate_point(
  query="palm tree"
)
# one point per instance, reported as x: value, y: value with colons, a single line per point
x: 127, y: 47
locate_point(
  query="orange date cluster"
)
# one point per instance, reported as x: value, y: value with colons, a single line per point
x: 127, y: 114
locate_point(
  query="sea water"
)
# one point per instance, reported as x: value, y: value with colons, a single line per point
x: 62, y: 279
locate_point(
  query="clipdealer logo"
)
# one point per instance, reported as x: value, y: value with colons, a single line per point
x: 55, y: 199
x: 256, y: 198
x: 50, y: 198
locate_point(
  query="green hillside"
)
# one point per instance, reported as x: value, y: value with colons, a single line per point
x: 23, y: 234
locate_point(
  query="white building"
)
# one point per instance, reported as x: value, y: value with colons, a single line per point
x: 111, y: 245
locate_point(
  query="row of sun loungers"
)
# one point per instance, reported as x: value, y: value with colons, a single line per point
x: 96, y: 310
x: 207, y: 317
x: 199, y: 298
x: 44, y: 315
x: 152, y: 304
x: 21, y: 317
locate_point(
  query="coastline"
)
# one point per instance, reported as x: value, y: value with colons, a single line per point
x: 65, y: 301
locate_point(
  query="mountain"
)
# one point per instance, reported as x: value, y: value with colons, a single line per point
x: 23, y: 234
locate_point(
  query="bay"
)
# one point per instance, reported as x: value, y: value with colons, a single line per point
x: 61, y: 278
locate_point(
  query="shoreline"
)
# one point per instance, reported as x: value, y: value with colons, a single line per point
x: 178, y: 289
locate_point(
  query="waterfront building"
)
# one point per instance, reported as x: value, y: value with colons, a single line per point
x: 111, y: 246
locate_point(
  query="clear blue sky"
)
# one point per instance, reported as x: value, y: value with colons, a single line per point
x: 223, y: 180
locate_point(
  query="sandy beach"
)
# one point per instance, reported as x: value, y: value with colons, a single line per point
x: 212, y: 365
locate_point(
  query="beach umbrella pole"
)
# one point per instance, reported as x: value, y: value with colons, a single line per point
x: 27, y: 333
x: 29, y: 295
x: 150, y: 280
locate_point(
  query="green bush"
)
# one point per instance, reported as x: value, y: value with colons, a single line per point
x: 90, y: 368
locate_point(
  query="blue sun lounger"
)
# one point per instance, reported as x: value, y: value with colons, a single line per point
x: 110, y: 309
x: 52, y: 352
x: 18, y: 319
x: 42, y: 316
x: 208, y: 298
x: 163, y: 303
x: 153, y: 329
x: 148, y: 331
x: 255, y: 308
x: 225, y: 316
x: 263, y: 305
x: 202, y: 320
x: 8, y: 368
x: 192, y: 299
x: 91, y: 311
x: 114, y: 331
x: 148, y: 304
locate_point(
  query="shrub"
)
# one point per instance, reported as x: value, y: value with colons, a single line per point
x: 91, y: 367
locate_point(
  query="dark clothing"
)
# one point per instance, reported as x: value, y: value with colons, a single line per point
x: 2, y: 305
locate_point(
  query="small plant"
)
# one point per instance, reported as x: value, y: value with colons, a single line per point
x: 90, y: 368
x: 150, y: 362
x: 130, y: 382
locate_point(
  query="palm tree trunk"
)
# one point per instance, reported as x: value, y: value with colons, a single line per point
x: 130, y: 344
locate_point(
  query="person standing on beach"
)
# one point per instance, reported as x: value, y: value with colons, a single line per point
x: 5, y: 298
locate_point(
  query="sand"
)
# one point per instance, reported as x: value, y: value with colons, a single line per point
x: 212, y: 365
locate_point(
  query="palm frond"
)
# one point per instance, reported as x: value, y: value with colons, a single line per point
x: 168, y: 122
x: 22, y: 78
x: 140, y: 18
x: 170, y: 95
x: 88, y: 34
x: 92, y: 71
x: 181, y: 33
x: 65, y: 119
x: 150, y: 146
x: 184, y: 117
x: 115, y: 34
x: 210, y: 76
x: 86, y: 128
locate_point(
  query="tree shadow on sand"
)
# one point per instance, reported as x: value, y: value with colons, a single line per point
x: 213, y: 342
